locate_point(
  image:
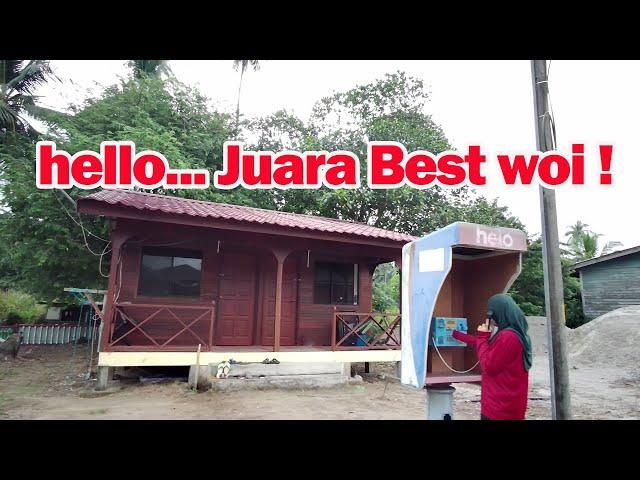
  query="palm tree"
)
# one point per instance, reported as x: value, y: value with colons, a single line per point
x: 586, y: 246
x: 576, y: 231
x: 149, y: 68
x: 610, y: 247
x: 242, y: 65
x: 18, y: 82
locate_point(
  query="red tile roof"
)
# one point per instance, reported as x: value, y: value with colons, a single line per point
x: 223, y: 211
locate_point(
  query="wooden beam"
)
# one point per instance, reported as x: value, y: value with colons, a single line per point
x: 202, y: 237
x: 93, y: 304
x: 280, y: 255
x: 108, y: 308
x: 334, y: 320
x: 131, y: 357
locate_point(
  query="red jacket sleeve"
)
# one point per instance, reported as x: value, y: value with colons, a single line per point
x: 495, y: 356
x: 465, y: 337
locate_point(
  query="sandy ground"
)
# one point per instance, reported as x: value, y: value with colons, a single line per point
x: 604, y: 365
x: 47, y: 382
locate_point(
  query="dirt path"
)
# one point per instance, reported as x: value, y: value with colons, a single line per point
x: 47, y: 383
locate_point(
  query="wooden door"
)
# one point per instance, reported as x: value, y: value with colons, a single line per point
x: 236, y: 304
x: 289, y: 301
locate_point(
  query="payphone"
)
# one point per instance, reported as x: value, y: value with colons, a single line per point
x: 447, y: 278
x: 443, y: 329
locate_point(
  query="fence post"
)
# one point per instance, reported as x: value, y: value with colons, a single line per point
x: 213, y: 316
x: 333, y: 329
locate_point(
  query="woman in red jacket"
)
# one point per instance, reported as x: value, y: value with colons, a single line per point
x: 505, y: 359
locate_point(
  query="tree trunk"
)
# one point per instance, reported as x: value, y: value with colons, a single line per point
x: 239, y: 89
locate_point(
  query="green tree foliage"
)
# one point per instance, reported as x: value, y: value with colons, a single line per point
x: 583, y: 244
x: 388, y: 109
x: 149, y: 68
x: 17, y: 307
x: 386, y: 288
x: 18, y: 81
x: 44, y: 246
x: 574, y: 314
x: 43, y: 249
x: 528, y: 289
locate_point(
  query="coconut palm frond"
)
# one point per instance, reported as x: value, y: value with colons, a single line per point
x: 44, y: 113
x: 7, y: 116
x: 9, y: 69
x: 150, y: 68
x: 244, y: 64
x: 31, y: 76
x: 611, y: 247
x: 577, y: 229
x: 19, y: 80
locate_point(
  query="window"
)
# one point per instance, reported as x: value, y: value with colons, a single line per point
x: 336, y: 283
x: 170, y: 272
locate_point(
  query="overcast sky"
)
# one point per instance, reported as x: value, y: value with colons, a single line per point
x: 488, y: 103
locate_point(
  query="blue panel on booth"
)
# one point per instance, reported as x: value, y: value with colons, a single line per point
x: 443, y: 328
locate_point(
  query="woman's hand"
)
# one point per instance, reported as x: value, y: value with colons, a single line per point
x: 485, y: 327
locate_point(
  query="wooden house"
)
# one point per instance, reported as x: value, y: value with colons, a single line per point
x: 610, y: 281
x: 239, y: 282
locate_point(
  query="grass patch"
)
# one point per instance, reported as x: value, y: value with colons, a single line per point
x: 4, y: 374
x: 18, y: 307
x: 100, y: 411
x: 4, y: 401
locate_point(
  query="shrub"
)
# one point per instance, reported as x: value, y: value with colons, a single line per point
x: 17, y: 307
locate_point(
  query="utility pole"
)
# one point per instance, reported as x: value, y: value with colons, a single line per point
x: 553, y: 289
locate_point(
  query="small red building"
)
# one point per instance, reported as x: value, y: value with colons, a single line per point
x: 238, y: 282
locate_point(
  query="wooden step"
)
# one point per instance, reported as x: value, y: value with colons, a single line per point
x: 252, y: 370
x: 282, y: 381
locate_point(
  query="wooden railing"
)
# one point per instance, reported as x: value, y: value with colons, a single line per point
x: 157, y: 327
x: 365, y: 331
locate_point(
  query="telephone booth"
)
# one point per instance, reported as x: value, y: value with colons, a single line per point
x: 447, y: 278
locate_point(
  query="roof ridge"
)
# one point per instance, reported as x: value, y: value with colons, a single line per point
x: 208, y: 202
x: 202, y: 208
x: 609, y: 256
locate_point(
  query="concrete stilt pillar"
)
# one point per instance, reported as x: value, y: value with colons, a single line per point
x: 346, y: 369
x: 105, y: 375
x: 204, y: 376
x: 440, y: 402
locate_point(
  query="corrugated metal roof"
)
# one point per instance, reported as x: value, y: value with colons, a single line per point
x: 196, y: 208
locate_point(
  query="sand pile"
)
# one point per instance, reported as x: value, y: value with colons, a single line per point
x: 611, y: 340
x: 538, y: 335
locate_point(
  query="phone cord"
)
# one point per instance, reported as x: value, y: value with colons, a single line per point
x: 449, y: 367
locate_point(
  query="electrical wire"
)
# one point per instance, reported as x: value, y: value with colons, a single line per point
x: 551, y: 115
x: 141, y: 242
x: 104, y: 252
x: 84, y: 231
x: 119, y: 277
x: 79, y: 223
x: 84, y: 236
x: 86, y: 243
x: 450, y: 367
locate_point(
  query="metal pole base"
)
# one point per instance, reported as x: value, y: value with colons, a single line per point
x: 440, y: 402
